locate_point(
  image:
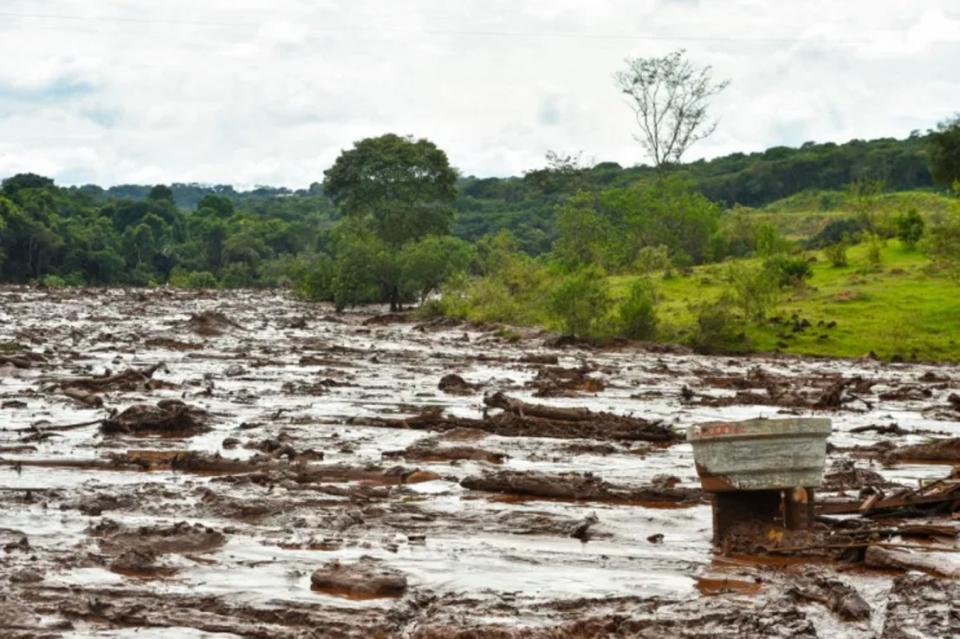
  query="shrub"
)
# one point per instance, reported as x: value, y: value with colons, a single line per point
x: 875, y: 245
x: 837, y: 254
x: 53, y: 281
x: 718, y: 329
x: 835, y: 232
x: 203, y: 279
x: 754, y: 289
x: 768, y: 240
x: 652, y: 258
x: 942, y: 244
x: 315, y: 284
x: 581, y: 302
x: 909, y: 228
x: 637, y: 313
x: 789, y: 271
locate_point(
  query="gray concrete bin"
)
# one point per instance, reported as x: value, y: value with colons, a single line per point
x: 763, y: 470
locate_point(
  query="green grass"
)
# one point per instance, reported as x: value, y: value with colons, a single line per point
x: 899, y: 310
x: 803, y: 215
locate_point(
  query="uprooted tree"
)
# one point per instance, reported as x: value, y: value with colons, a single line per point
x: 670, y: 97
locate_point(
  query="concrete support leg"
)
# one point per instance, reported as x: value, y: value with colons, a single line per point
x: 798, y: 508
x: 760, y: 506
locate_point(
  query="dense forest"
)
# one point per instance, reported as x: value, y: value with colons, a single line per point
x: 191, y: 234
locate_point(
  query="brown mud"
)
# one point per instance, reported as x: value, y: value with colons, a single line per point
x: 240, y: 464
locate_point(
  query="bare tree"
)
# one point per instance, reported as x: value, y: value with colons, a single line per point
x: 669, y: 96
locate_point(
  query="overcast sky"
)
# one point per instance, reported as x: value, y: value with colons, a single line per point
x: 269, y: 91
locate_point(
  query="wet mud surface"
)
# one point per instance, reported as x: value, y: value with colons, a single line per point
x: 240, y: 464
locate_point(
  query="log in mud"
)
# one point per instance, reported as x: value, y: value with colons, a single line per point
x: 245, y: 465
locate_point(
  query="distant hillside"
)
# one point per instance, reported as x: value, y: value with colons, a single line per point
x: 526, y: 205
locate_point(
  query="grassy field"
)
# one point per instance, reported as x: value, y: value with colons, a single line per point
x: 803, y: 215
x: 897, y: 310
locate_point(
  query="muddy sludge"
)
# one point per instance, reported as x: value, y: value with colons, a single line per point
x: 296, y: 470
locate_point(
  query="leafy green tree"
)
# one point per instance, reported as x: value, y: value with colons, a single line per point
x: 583, y: 235
x: 405, y: 187
x: 161, y: 193
x: 637, y: 314
x: 215, y: 205
x: 427, y: 263
x: 139, y: 245
x: 944, y: 152
x: 365, y: 270
x: 12, y: 185
x: 910, y: 228
x: 581, y: 302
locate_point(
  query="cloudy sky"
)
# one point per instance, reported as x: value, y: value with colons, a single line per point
x: 269, y: 91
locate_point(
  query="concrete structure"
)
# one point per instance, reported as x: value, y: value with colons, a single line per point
x: 761, y: 470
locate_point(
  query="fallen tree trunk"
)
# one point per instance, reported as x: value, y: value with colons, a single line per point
x: 577, y: 487
x: 879, y: 557
x: 523, y: 409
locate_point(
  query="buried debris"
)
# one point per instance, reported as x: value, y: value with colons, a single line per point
x: 430, y: 450
x: 943, y: 494
x: 579, y: 487
x: 945, y: 450
x: 831, y: 392
x: 176, y: 538
x: 555, y: 381
x: 86, y: 390
x: 367, y: 578
x: 456, y: 385
x: 210, y: 323
x: 925, y: 561
x: 169, y: 417
x: 840, y: 598
x: 520, y: 419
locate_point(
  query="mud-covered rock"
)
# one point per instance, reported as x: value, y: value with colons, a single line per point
x: 363, y: 579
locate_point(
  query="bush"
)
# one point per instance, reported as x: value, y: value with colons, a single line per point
x: 875, y: 245
x: 637, y: 313
x: 789, y: 271
x: 53, y: 281
x: 942, y: 244
x: 202, y: 279
x: 909, y: 228
x: 315, y: 284
x: 581, y: 303
x: 652, y: 258
x: 718, y: 329
x: 837, y: 254
x: 194, y: 279
x: 835, y: 232
x: 754, y: 289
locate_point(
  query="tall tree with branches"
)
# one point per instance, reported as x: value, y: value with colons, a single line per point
x: 669, y: 96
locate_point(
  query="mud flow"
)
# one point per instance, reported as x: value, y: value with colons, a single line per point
x: 239, y: 464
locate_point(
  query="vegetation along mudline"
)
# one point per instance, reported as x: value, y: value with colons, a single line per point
x: 827, y: 249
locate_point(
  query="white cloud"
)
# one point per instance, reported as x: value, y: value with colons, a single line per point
x: 258, y: 92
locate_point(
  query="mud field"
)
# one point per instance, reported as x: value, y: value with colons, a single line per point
x: 177, y: 464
